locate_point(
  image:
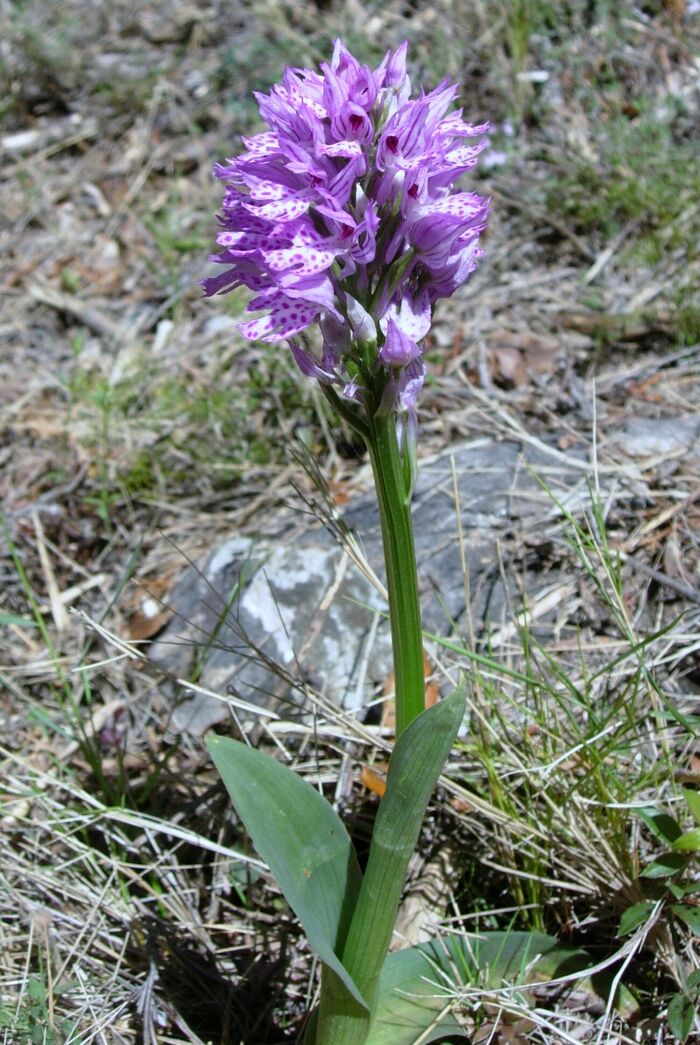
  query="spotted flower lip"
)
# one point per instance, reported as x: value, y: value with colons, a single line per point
x: 343, y: 210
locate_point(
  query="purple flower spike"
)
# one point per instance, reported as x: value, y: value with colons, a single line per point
x: 344, y: 212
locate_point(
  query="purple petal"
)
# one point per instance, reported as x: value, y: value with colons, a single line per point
x: 256, y: 329
x: 305, y: 261
x: 310, y: 366
x: 220, y: 284
x: 318, y: 290
x: 454, y: 124
x: 280, y: 210
x: 353, y: 391
x: 264, y: 144
x: 410, y: 385
x: 342, y: 148
x: 392, y: 71
x: 412, y: 317
x: 286, y: 319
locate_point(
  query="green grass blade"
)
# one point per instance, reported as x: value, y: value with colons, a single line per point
x: 303, y: 841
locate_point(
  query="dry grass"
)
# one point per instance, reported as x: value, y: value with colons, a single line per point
x: 137, y: 431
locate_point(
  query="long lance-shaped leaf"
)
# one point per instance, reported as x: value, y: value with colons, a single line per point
x: 416, y: 984
x: 411, y: 1002
x: 415, y: 766
x: 302, y: 840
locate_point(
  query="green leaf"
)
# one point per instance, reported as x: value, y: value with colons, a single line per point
x: 409, y: 1002
x: 634, y: 916
x: 689, y: 842
x: 302, y: 840
x: 414, y: 768
x: 664, y: 866
x: 680, y: 1015
x: 662, y: 825
x: 416, y: 983
x: 693, y: 800
x: 690, y: 915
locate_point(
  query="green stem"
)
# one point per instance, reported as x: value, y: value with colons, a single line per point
x: 402, y: 577
x: 340, y: 1020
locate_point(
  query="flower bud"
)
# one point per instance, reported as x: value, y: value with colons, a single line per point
x: 398, y: 349
x: 363, y: 327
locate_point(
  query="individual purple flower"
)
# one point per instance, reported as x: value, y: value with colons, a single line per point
x: 344, y: 211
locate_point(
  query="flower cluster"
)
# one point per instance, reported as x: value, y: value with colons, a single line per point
x: 343, y: 211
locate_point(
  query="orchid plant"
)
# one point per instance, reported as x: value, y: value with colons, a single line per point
x: 343, y: 215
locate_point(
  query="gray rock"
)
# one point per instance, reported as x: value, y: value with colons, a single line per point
x: 659, y: 437
x: 257, y: 619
